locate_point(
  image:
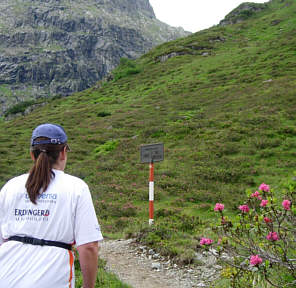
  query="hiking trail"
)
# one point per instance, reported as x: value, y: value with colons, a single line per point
x: 142, y: 267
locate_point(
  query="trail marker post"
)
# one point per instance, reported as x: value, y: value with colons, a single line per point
x: 149, y: 154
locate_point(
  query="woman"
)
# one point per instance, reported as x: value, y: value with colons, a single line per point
x: 44, y: 213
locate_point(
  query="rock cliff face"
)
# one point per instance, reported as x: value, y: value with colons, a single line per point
x: 56, y: 47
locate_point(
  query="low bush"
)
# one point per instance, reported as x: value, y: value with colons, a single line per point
x: 126, y: 67
x: 260, y: 242
x: 19, y: 108
x: 103, y: 114
x: 106, y: 147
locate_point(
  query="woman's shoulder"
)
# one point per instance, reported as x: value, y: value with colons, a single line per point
x: 75, y: 180
x: 15, y: 182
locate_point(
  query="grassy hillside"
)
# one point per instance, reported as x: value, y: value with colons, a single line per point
x: 223, y: 104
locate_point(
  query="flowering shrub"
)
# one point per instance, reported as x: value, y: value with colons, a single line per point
x: 205, y: 241
x: 286, y: 204
x: 263, y: 187
x: 244, y: 208
x: 255, y: 260
x: 260, y: 243
x: 267, y: 220
x: 257, y: 195
x: 263, y: 203
x: 273, y: 236
x: 219, y: 207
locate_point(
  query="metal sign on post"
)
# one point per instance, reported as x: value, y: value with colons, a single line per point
x: 149, y: 154
x: 152, y: 153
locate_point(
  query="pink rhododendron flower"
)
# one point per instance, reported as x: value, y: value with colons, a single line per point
x: 273, y: 236
x: 255, y: 260
x: 205, y: 241
x: 255, y: 194
x: 264, y: 187
x: 244, y: 208
x: 286, y: 204
x: 263, y: 203
x: 267, y: 220
x: 219, y: 207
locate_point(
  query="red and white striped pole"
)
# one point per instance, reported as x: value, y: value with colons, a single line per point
x: 151, y: 194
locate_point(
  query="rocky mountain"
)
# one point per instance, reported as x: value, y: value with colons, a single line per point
x: 56, y: 47
x: 242, y: 12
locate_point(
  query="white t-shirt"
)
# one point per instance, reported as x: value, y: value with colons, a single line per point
x: 64, y: 213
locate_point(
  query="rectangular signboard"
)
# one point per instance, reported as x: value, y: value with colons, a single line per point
x: 152, y: 153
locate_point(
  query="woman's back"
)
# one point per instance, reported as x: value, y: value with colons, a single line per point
x: 64, y: 213
x: 42, y: 214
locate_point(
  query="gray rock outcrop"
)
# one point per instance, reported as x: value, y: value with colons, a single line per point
x: 57, y: 47
x: 242, y: 12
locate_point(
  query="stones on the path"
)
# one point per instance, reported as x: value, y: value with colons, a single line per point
x: 192, y: 276
x: 206, y: 258
x: 156, y: 266
x: 164, y: 268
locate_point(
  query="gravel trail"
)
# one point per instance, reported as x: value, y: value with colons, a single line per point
x: 141, y: 267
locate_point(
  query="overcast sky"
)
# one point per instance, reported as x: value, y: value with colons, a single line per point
x: 194, y: 15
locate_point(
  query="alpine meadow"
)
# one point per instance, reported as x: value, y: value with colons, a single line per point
x: 223, y: 102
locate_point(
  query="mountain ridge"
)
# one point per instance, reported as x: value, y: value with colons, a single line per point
x: 56, y: 47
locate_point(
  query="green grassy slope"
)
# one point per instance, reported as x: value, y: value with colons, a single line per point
x: 224, y: 109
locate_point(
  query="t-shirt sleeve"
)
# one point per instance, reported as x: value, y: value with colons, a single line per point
x: 1, y: 214
x: 87, y: 228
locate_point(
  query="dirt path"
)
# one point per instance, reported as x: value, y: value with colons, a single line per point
x: 141, y: 267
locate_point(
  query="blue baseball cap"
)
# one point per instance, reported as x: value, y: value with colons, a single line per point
x: 55, y: 134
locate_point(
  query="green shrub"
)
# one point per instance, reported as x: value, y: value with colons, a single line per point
x: 103, y: 114
x: 19, y: 108
x: 126, y: 67
x: 107, y: 147
x: 187, y: 257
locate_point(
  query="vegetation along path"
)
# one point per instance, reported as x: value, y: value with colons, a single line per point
x: 140, y: 266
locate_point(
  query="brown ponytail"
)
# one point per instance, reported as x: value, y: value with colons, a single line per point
x: 40, y: 175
